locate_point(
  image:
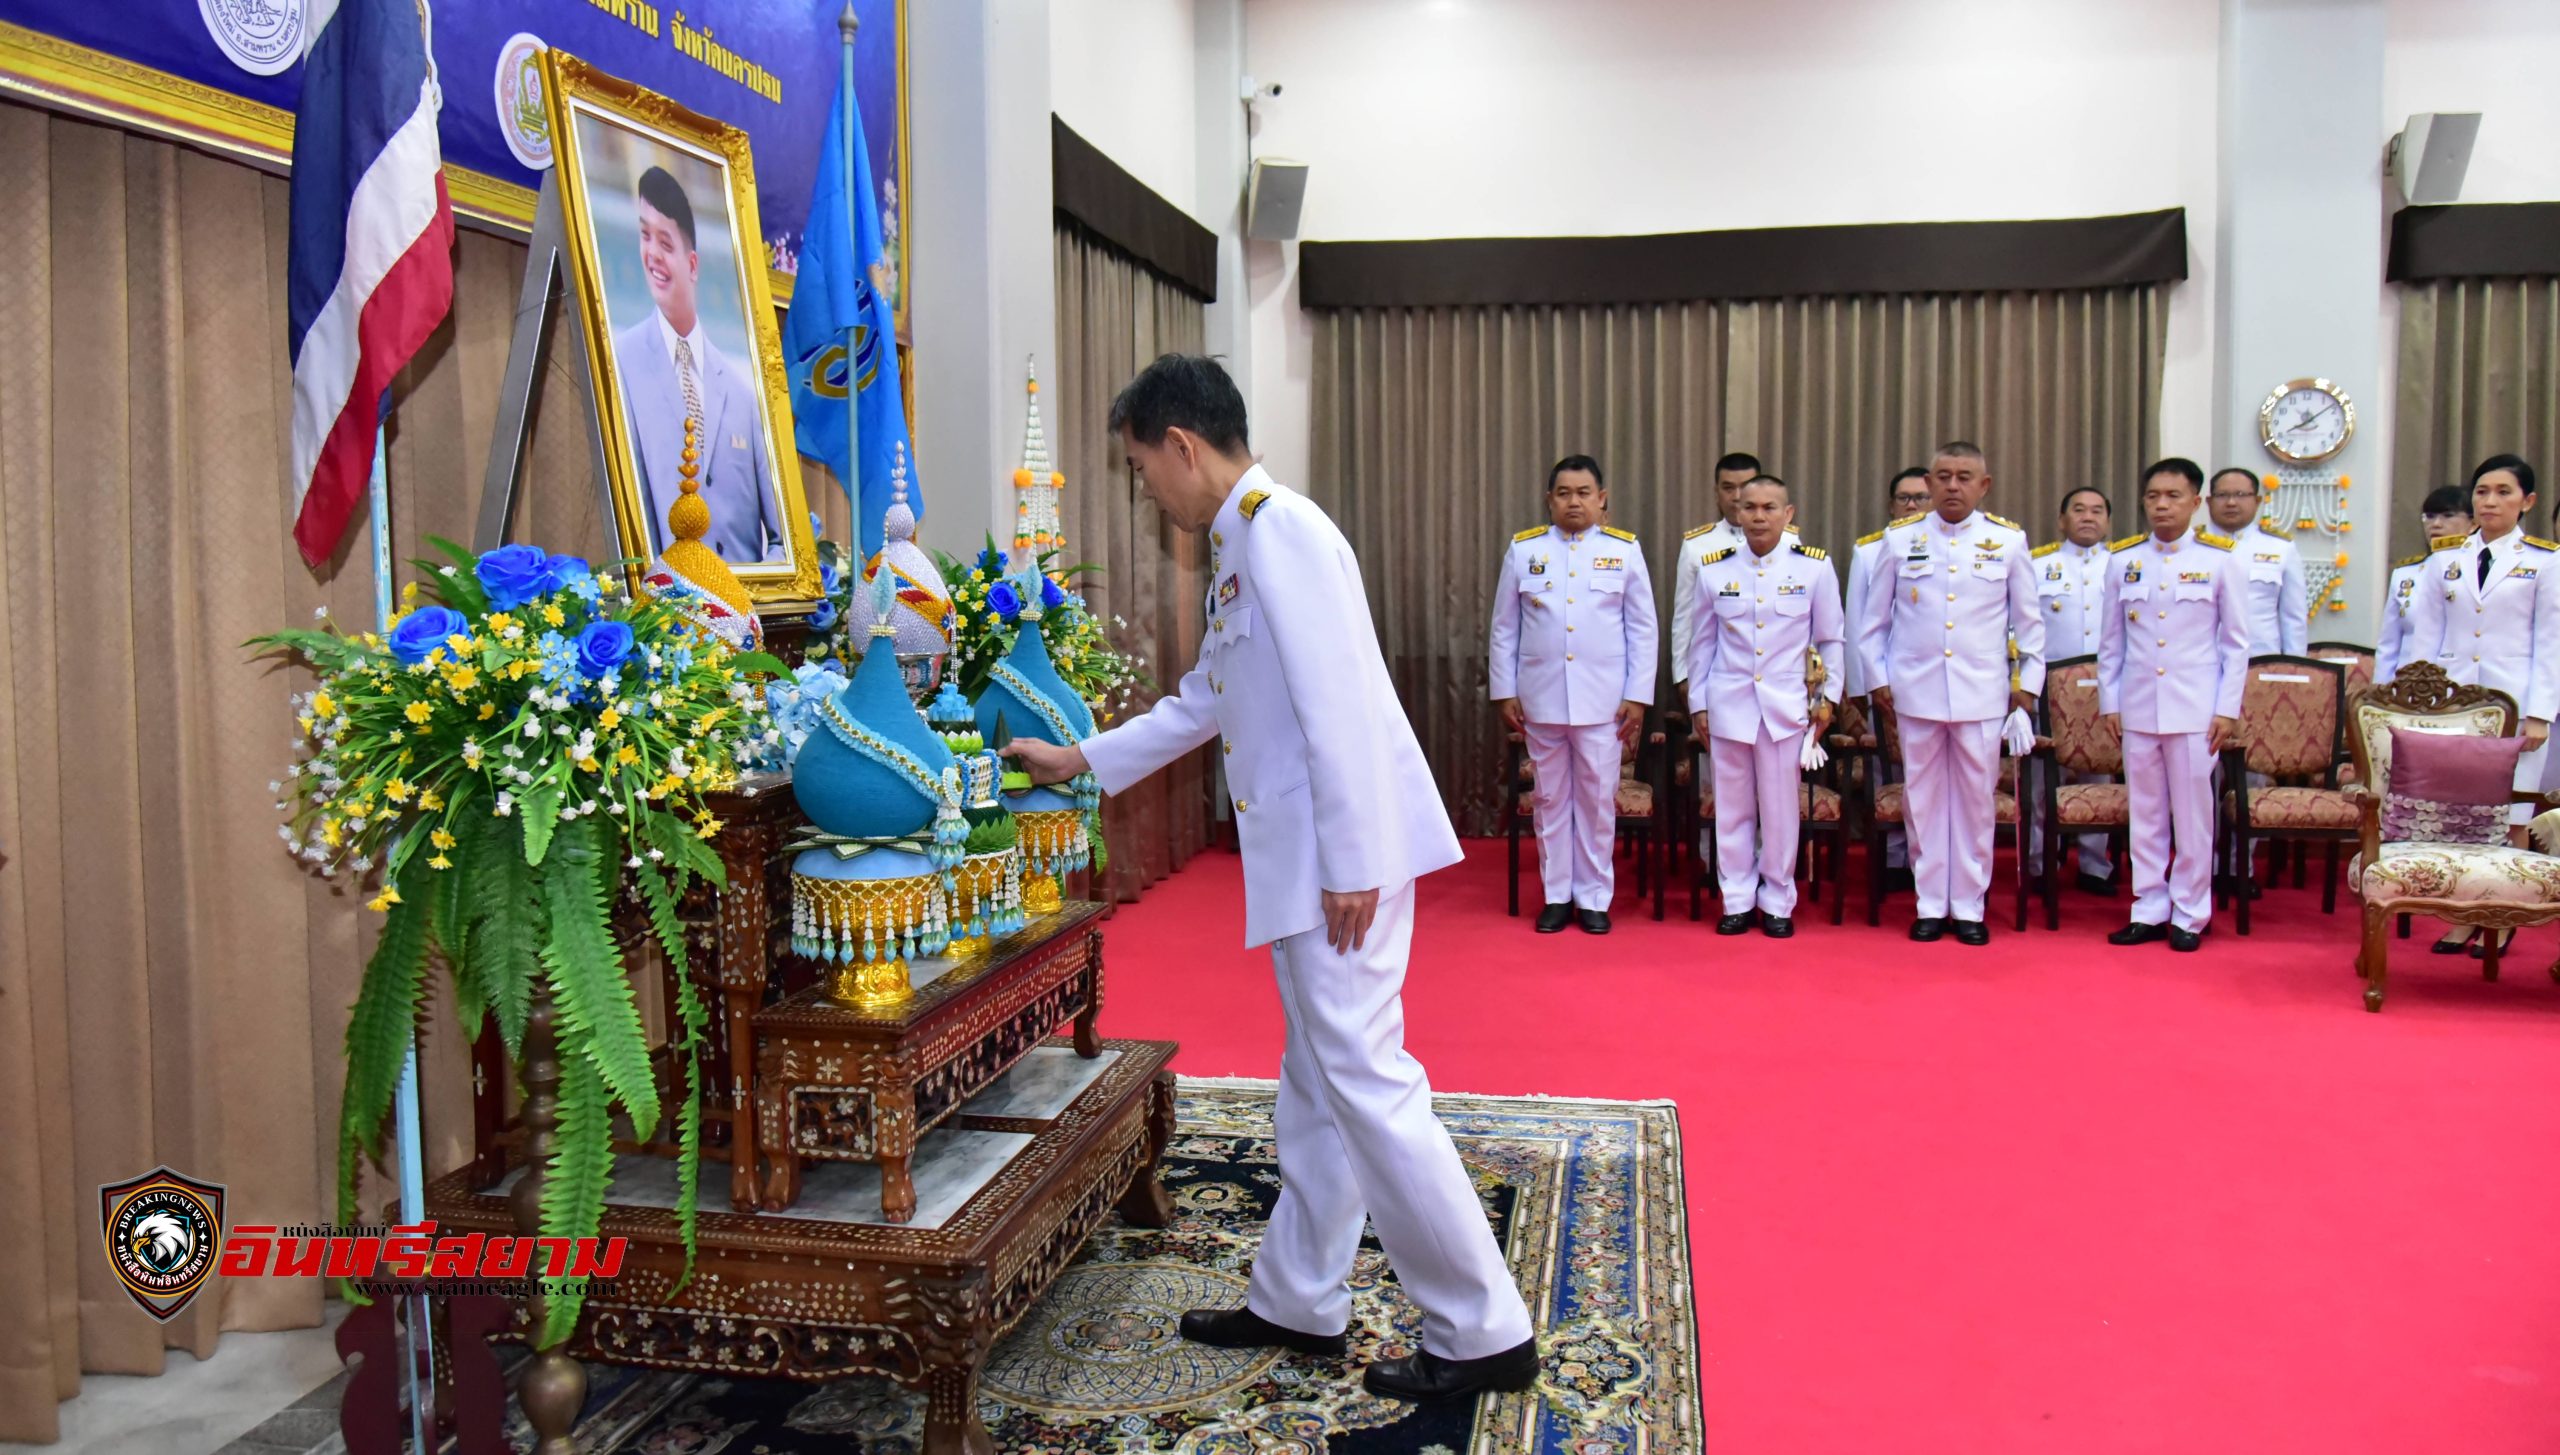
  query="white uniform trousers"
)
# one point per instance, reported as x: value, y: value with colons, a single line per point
x: 1758, y: 820
x: 1577, y: 797
x: 2168, y: 780
x: 1949, y: 772
x: 1357, y: 1136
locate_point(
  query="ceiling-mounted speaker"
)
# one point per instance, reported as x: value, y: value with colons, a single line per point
x: 1273, y: 201
x: 2430, y: 155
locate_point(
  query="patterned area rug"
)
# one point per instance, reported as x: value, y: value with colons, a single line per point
x: 1585, y: 1195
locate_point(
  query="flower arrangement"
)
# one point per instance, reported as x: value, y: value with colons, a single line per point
x: 523, y: 743
x: 986, y: 610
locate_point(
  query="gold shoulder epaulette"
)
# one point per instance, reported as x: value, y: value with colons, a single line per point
x: 2279, y: 532
x: 1912, y: 519
x: 2539, y: 541
x: 1711, y: 557
x: 1811, y: 553
x: 1871, y: 537
x: 1695, y: 531
x: 2446, y: 543
x: 1531, y: 534
x: 2219, y: 543
x: 2128, y: 543
x: 1794, y: 531
x: 2047, y: 549
x: 1252, y: 502
x: 1611, y: 530
x: 2419, y: 559
x: 2002, y: 520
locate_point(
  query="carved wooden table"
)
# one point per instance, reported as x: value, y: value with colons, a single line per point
x: 835, y: 1082
x: 799, y: 1297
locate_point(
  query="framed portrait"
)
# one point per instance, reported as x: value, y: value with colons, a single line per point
x: 669, y: 266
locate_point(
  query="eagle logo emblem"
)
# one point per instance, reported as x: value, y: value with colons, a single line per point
x: 163, y: 1233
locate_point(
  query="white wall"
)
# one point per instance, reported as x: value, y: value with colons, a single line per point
x: 1120, y: 74
x: 2496, y: 57
x: 1465, y: 118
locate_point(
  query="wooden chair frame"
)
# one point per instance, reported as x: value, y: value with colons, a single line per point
x: 2241, y: 836
x: 2049, y: 787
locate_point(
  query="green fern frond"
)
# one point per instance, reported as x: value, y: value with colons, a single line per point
x: 449, y: 919
x: 379, y: 1032
x: 505, y: 935
x: 660, y: 897
x: 575, y: 1180
x: 539, y: 812
x: 586, y: 969
x: 684, y: 848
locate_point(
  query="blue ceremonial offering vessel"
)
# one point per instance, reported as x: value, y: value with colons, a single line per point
x: 1025, y: 690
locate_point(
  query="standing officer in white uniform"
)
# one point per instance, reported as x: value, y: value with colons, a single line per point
x: 1731, y: 472
x: 1952, y: 591
x: 2446, y: 512
x: 2487, y: 610
x: 1338, y: 815
x: 2279, y: 594
x: 2071, y: 585
x: 1762, y: 606
x: 1570, y: 662
x: 2172, y: 660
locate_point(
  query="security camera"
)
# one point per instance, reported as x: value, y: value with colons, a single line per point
x: 1252, y: 91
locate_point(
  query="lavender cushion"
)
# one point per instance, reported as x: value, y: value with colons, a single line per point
x: 2448, y: 788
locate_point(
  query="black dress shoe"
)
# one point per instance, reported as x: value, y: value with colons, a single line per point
x: 2460, y: 945
x: 1928, y: 931
x: 1423, y: 1375
x: 1554, y: 918
x: 2138, y: 933
x: 1972, y: 932
x: 1242, y: 1328
x: 1594, y: 921
x: 2185, y: 942
x: 2092, y: 884
x: 1777, y: 926
x: 1736, y: 924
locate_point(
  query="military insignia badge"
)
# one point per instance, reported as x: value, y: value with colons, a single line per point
x: 1252, y: 502
x: 2053, y: 572
x: 164, y: 1234
x: 2195, y: 578
x: 2520, y: 573
x: 1537, y: 565
x: 1609, y: 563
x: 2132, y: 572
x: 1730, y: 588
x: 2453, y: 572
x: 1227, y: 590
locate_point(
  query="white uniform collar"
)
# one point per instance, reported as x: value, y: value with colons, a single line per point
x: 1776, y: 551
x: 2501, y: 548
x: 2084, y: 552
x: 1231, y: 510
x: 1957, y: 529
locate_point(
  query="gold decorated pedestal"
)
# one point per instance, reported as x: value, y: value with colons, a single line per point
x: 870, y: 919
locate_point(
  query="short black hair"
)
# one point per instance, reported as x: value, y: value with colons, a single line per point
x: 2079, y: 490
x: 1960, y: 450
x: 1181, y: 391
x: 2182, y: 467
x: 2446, y: 500
x: 1765, y: 479
x: 660, y: 189
x: 2242, y: 471
x: 2513, y: 464
x: 1738, y: 460
x: 1893, y: 486
x: 1584, y: 463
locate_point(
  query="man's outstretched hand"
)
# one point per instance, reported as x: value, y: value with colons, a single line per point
x: 1046, y: 762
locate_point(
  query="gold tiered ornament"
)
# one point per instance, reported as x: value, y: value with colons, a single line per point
x: 692, y: 573
x: 1037, y: 525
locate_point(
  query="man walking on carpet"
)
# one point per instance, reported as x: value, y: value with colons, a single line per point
x: 1337, y: 815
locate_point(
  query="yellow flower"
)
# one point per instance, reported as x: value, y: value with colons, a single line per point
x: 440, y: 839
x: 626, y: 754
x: 609, y: 720
x: 439, y: 862
x: 430, y: 800
x: 588, y: 764
x: 398, y: 736
x: 463, y: 679
x: 552, y: 613
x: 329, y: 832
x: 488, y: 710
x: 710, y: 827
x: 418, y: 712
x: 308, y: 722
x: 462, y: 646
x: 500, y: 624
x: 322, y: 703
x: 409, y: 593
x: 397, y: 790
x: 607, y: 584
x: 389, y: 896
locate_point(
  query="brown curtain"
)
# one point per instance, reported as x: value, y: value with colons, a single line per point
x: 1434, y: 429
x: 2479, y: 376
x: 172, y: 989
x: 1114, y: 316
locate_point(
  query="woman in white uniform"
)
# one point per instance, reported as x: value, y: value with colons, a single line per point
x: 2487, y: 610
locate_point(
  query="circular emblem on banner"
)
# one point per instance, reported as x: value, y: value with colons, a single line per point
x: 261, y: 37
x: 521, y: 117
x: 163, y: 1232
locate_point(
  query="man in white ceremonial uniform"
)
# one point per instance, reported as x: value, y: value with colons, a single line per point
x: 2071, y: 586
x: 2446, y: 512
x: 1762, y: 606
x: 1953, y: 591
x: 1732, y: 469
x: 1337, y: 815
x: 1570, y: 663
x: 2173, y: 658
x: 2279, y: 593
x: 1907, y: 499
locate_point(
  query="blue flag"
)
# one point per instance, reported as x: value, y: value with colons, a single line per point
x: 841, y: 334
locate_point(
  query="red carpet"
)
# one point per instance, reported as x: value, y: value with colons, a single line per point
x: 2047, y: 1195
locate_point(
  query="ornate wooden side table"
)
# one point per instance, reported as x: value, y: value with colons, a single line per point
x: 835, y: 1082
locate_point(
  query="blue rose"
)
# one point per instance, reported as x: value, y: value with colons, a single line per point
x: 571, y: 574
x: 1051, y: 596
x: 424, y: 630
x: 514, y: 575
x: 828, y: 576
x: 824, y: 617
x: 602, y: 648
x: 1002, y: 597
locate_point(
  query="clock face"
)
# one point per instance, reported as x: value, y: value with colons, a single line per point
x: 2306, y: 420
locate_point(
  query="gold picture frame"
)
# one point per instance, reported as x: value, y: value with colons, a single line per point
x: 610, y: 139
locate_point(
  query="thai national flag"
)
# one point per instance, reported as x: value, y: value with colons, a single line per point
x: 371, y: 269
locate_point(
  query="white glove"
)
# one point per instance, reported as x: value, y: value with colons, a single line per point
x: 1813, y: 756
x: 2016, y: 735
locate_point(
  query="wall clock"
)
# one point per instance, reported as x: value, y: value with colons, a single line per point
x: 2306, y: 420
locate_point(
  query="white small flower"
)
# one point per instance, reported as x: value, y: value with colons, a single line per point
x: 657, y: 699
x: 532, y: 726
x: 614, y: 808
x: 655, y: 855
x: 319, y: 613
x: 284, y: 831
x: 567, y: 813
x: 506, y: 801
x: 445, y: 570
x: 631, y: 863
x: 360, y: 863
x: 560, y: 730
x: 274, y: 787
x: 355, y: 825
x: 293, y: 770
